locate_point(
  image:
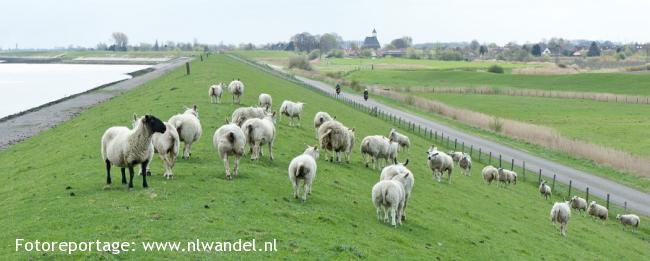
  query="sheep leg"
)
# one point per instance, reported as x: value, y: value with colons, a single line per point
x: 130, y: 177
x: 386, y: 210
x: 227, y: 165
x: 236, y: 169
x: 144, y: 177
x: 449, y: 175
x: 406, y: 200
x: 393, y: 213
x: 271, y: 149
x: 295, y: 185
x: 338, y: 157
x: 123, y: 170
x: 186, y: 151
x: 108, y: 172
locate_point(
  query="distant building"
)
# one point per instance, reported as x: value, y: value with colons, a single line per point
x: 371, y: 42
x: 546, y: 52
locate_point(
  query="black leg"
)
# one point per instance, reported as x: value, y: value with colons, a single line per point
x: 123, y: 175
x: 131, y: 176
x: 144, y: 170
x: 108, y: 172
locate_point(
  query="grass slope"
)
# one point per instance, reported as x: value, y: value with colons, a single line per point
x: 465, y: 220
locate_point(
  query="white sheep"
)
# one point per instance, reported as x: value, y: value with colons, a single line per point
x: 291, y: 110
x: 389, y: 172
x: 578, y: 203
x: 259, y: 132
x: 401, y: 139
x: 597, y: 210
x: 265, y: 101
x: 125, y: 148
x: 455, y: 155
x: 319, y: 119
x: 166, y: 145
x: 465, y: 164
x: 215, y: 92
x: 240, y: 115
x: 303, y: 167
x: 188, y: 127
x: 544, y: 190
x: 229, y: 140
x: 334, y: 136
x: 490, y: 173
x: 629, y: 220
x: 389, y: 196
x: 439, y: 162
x: 506, y: 176
x: 376, y: 147
x: 561, y: 213
x: 236, y: 88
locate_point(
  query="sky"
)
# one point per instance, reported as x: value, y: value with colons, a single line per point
x: 60, y: 23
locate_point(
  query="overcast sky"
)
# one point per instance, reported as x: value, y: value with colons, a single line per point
x: 50, y: 23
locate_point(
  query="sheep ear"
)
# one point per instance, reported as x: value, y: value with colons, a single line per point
x: 316, y: 147
x: 135, y: 116
x: 406, y: 163
x: 354, y: 129
x: 334, y: 118
x: 194, y: 107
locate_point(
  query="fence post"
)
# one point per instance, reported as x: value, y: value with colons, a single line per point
x: 539, y: 179
x: 479, y: 154
x: 570, y: 184
x: 607, y: 200
x: 436, y: 136
x: 625, y: 207
x: 462, y: 147
x: 455, y: 144
x: 447, y: 140
x: 553, y: 187
x: 471, y: 150
x: 187, y: 68
x: 500, y: 161
x: 512, y: 164
x: 524, y: 169
x: 587, y: 195
x: 490, y: 158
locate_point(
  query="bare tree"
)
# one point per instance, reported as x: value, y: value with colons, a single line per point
x: 120, y: 41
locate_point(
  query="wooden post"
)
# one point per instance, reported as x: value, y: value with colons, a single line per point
x: 500, y: 161
x: 455, y: 144
x: 524, y: 169
x: 435, y: 137
x: 447, y: 140
x: 512, y: 164
x: 471, y: 150
x: 462, y: 147
x: 479, y: 154
x: 607, y: 200
x: 539, y: 179
x: 570, y: 184
x: 625, y: 207
x: 587, y: 195
x: 490, y: 158
x: 553, y: 186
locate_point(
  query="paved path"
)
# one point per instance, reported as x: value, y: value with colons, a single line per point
x: 18, y: 128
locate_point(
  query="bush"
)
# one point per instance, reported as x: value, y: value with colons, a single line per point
x: 495, y: 69
x: 336, y: 53
x: 561, y: 65
x: 299, y: 62
x: 496, y: 125
x: 314, y: 54
x: 366, y: 53
x: 449, y: 55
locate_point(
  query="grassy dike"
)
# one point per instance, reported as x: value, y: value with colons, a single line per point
x: 464, y: 220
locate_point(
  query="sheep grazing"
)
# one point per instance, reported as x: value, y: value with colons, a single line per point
x: 378, y: 147
x: 125, y: 148
x: 334, y: 136
x: 544, y: 189
x: 490, y: 173
x: 265, y: 101
x: 229, y: 140
x: 319, y: 119
x: 391, y: 171
x: 236, y: 88
x: 440, y: 162
x: 561, y: 213
x: 303, y: 167
x: 389, y: 196
x: 455, y: 155
x: 215, y: 92
x: 188, y: 127
x: 629, y: 220
x: 597, y: 211
x: 401, y: 139
x: 259, y: 132
x: 166, y: 145
x: 240, y: 115
x: 465, y: 164
x: 506, y: 176
x: 578, y: 203
x: 291, y: 110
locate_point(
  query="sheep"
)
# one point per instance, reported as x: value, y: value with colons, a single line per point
x: 389, y: 172
x: 303, y: 167
x: 215, y: 92
x: 259, y: 132
x: 578, y: 203
x: 465, y: 164
x: 125, y: 148
x: 561, y: 213
x: 544, y: 189
x: 455, y: 155
x: 236, y: 88
x: 597, y: 210
x: 393, y: 150
x: 229, y: 140
x: 320, y: 118
x: 291, y: 110
x: 265, y: 101
x: 166, y: 145
x: 401, y: 139
x: 240, y: 115
x: 439, y: 162
x: 334, y: 136
x: 377, y: 147
x: 389, y: 195
x: 490, y: 173
x: 188, y: 127
x: 629, y: 220
x: 506, y: 176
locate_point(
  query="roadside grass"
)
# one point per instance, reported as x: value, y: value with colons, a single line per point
x: 465, y: 220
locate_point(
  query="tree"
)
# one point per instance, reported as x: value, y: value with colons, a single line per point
x: 120, y: 40
x: 328, y: 42
x: 402, y: 43
x: 474, y: 46
x: 156, y: 47
x: 482, y: 50
x: 593, y: 50
x: 305, y: 42
x: 537, y: 50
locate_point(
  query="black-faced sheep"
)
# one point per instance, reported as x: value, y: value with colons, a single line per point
x: 303, y: 167
x: 465, y: 164
x: 561, y: 213
x: 229, y: 140
x: 291, y: 110
x: 188, y: 127
x: 166, y: 145
x: 439, y: 162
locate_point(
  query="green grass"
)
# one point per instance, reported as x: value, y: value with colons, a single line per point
x: 464, y: 220
x: 261, y: 54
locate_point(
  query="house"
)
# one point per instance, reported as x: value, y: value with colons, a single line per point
x: 546, y: 52
x: 371, y: 42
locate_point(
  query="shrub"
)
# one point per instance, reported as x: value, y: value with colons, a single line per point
x: 496, y: 125
x: 336, y: 53
x: 299, y: 62
x: 314, y: 54
x: 366, y: 53
x: 355, y: 85
x: 495, y: 69
x: 561, y: 65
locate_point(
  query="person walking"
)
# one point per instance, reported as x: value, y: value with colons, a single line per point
x: 365, y: 94
x: 338, y: 89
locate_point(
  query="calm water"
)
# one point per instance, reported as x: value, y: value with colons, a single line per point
x: 25, y: 86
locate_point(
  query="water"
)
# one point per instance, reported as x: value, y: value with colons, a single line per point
x: 25, y: 86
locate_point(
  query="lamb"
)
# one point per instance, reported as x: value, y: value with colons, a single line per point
x: 597, y: 211
x: 490, y: 173
x: 389, y: 195
x: 378, y: 147
x: 334, y: 136
x: 319, y: 119
x: 401, y: 139
x: 578, y: 203
x: 465, y: 164
x: 560, y: 213
x: 440, y: 162
x: 188, y: 127
x: 303, y: 167
x: 236, y: 88
x: 265, y: 101
x: 259, y: 132
x: 166, y: 145
x: 389, y: 172
x: 544, y: 189
x: 629, y: 220
x: 229, y: 140
x: 456, y: 155
x: 291, y: 110
x: 506, y: 176
x: 125, y: 148
x: 215, y: 92
x: 240, y: 115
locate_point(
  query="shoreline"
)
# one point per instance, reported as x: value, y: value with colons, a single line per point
x: 22, y: 125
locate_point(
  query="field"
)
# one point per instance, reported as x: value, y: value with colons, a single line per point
x: 465, y: 220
